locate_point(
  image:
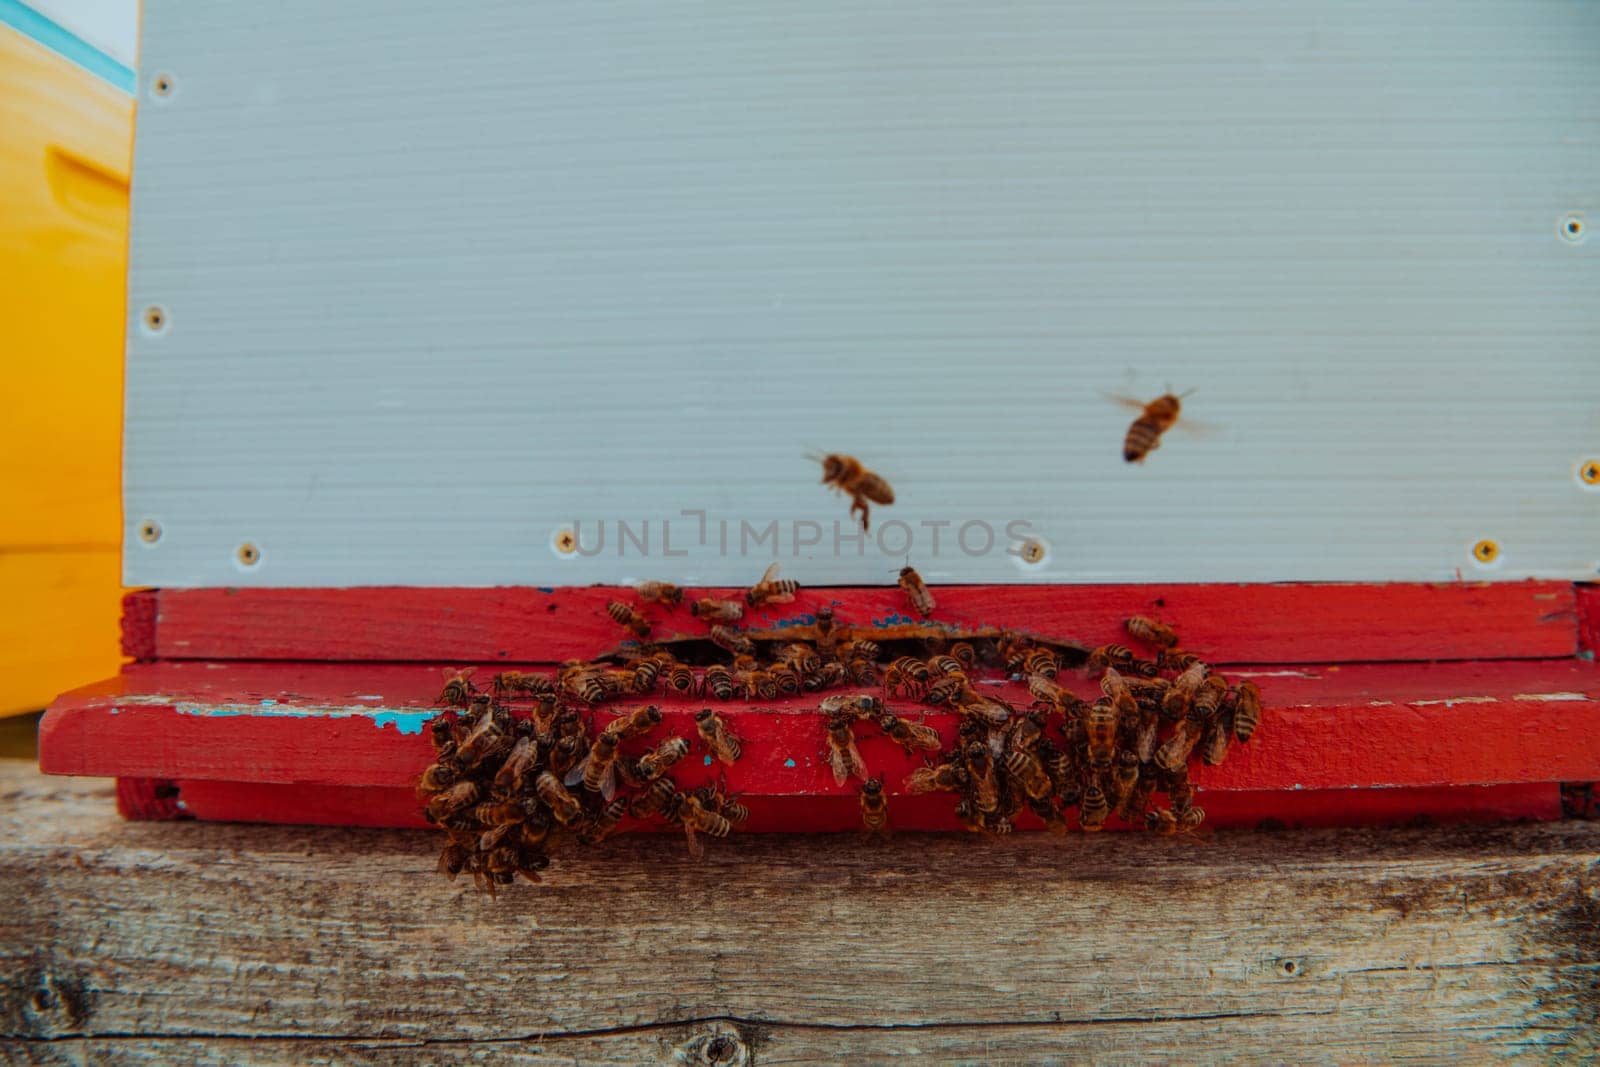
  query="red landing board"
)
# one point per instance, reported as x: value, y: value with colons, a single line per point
x: 1358, y: 730
x: 1297, y: 623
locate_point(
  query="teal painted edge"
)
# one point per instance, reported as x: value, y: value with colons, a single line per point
x: 62, y: 41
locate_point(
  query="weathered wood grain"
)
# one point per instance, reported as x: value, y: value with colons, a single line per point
x: 173, y: 942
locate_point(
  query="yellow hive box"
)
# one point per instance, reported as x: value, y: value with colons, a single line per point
x: 67, y: 114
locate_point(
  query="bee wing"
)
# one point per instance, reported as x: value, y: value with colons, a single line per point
x: 858, y: 766
x: 1125, y: 401
x: 836, y: 760
x: 575, y: 775
x: 770, y: 573
x: 608, y: 783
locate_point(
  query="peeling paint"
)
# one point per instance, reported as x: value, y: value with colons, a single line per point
x: 894, y: 620
x: 1451, y: 702
x: 1550, y: 696
x: 789, y: 762
x: 406, y: 721
x: 1275, y: 674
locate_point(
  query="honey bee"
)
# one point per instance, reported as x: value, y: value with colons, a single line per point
x: 695, y: 817
x: 562, y: 804
x: 653, y: 764
x: 715, y: 798
x: 858, y: 706
x: 1026, y: 770
x: 1173, y: 755
x: 731, y: 640
x: 946, y: 777
x: 445, y: 804
x: 523, y: 758
x: 1155, y: 419
x: 1176, y: 659
x: 658, y: 798
x: 1100, y: 727
x: 680, y: 679
x: 947, y: 689
x: 846, y: 474
x: 827, y: 638
x: 645, y: 674
x: 830, y: 675
x: 1208, y: 699
x: 758, y: 684
x: 1094, y: 808
x: 771, y: 589
x: 439, y: 777
x: 874, y: 808
x: 801, y: 657
x: 1246, y: 710
x: 1151, y: 632
x: 1124, y: 777
x: 486, y: 738
x: 985, y: 710
x: 718, y: 681
x: 636, y: 724
x: 907, y: 674
x: 942, y: 664
x: 911, y: 736
x: 458, y: 688
x: 1137, y: 801
x: 968, y: 814
x: 1168, y: 822
x: 1178, y: 699
x: 965, y: 652
x: 598, y: 770
x: 985, y: 785
x: 586, y: 682
x: 565, y: 754
x: 629, y: 619
x: 1180, y: 791
x: 659, y: 593
x: 860, y: 648
x: 787, y: 678
x: 603, y: 824
x: 513, y: 683
x: 1109, y: 656
x: 717, y: 610
x: 844, y: 758
x: 916, y: 591
x: 719, y: 740
x: 454, y: 859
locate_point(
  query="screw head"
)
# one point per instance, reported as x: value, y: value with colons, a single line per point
x: 1486, y: 551
x: 161, y: 85
x: 1589, y: 473
x: 155, y: 318
x: 565, y: 542
x: 1032, y: 550
x: 1572, y: 228
x: 248, y: 554
x: 149, y: 531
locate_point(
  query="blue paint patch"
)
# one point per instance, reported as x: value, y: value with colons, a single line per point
x: 63, y: 42
x: 116, y: 710
x: 268, y: 703
x: 407, y: 722
x: 789, y: 762
x: 893, y: 620
x: 708, y: 761
x: 798, y: 620
x: 547, y: 589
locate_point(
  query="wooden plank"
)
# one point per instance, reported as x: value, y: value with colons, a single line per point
x: 1346, y: 946
x: 1304, y: 623
x: 1333, y: 727
x: 343, y: 805
x: 1588, y: 595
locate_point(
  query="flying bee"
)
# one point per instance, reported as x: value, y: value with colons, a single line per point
x: 1155, y: 419
x: 1112, y: 655
x: 1094, y: 808
x: 461, y: 795
x: 837, y: 674
x: 680, y: 679
x: 946, y: 777
x: 911, y: 736
x: 844, y: 758
x: 985, y: 784
x: 717, y: 610
x: 1026, y: 770
x: 719, y: 740
x: 874, y: 809
x: 523, y: 758
x: 771, y: 589
x: 731, y: 640
x: 659, y: 593
x: 916, y: 591
x: 653, y: 764
x: 1100, y: 728
x: 1246, y: 710
x: 635, y: 724
x: 562, y: 804
x: 718, y: 681
x: 515, y: 683
x: 846, y: 474
x: 598, y: 770
x: 695, y: 818
x: 802, y: 657
x: 658, y: 798
x: 458, y: 687
x: 1178, y: 699
x: 907, y: 674
x: 1173, y: 755
x: 857, y: 705
x: 1151, y: 632
x: 628, y: 619
x: 603, y: 824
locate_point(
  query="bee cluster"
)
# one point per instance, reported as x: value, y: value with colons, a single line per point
x: 524, y: 769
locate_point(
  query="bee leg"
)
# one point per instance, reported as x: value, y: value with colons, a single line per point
x: 859, y: 503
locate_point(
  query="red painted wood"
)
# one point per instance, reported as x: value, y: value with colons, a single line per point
x: 1588, y: 595
x: 333, y: 805
x: 1327, y: 623
x: 139, y: 610
x: 1330, y: 727
x: 148, y: 799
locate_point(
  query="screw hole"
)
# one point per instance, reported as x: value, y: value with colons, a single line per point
x: 1288, y: 967
x: 1572, y: 228
x: 149, y: 531
x: 249, y: 554
x: 155, y: 319
x: 161, y: 85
